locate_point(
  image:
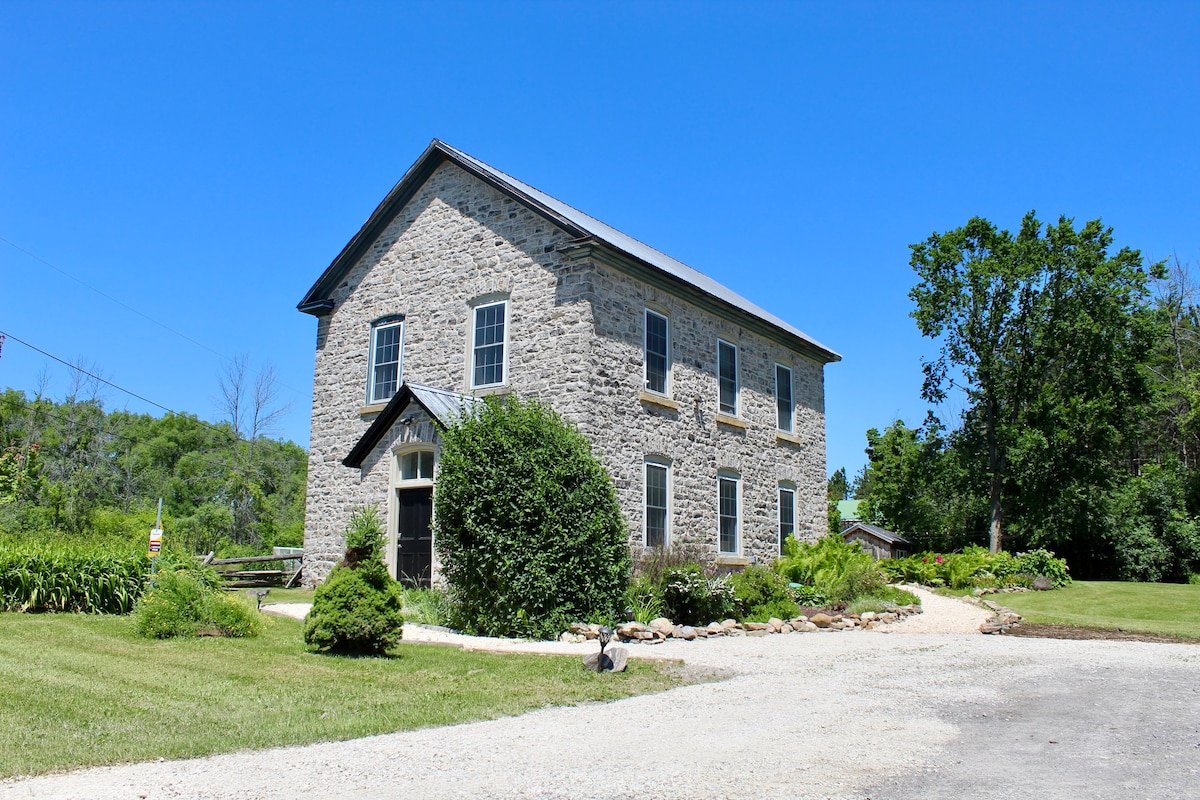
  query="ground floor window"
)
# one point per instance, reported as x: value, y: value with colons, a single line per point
x: 657, y: 503
x: 787, y: 514
x: 727, y: 503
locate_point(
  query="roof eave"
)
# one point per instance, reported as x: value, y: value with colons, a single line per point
x: 592, y: 247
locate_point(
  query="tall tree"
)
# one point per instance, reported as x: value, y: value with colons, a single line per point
x: 1044, y: 331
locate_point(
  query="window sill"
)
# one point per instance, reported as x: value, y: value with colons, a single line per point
x: 784, y: 436
x: 731, y: 560
x: 373, y: 408
x: 658, y: 400
x: 733, y: 422
x: 484, y: 391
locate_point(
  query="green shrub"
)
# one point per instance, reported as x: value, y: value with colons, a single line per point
x: 65, y: 577
x: 1042, y: 563
x: 358, y: 610
x: 690, y: 597
x: 528, y: 529
x: 975, y: 566
x: 841, y: 570
x: 183, y: 603
x: 351, y: 615
x: 762, y: 593
x: 808, y: 596
x: 644, y: 597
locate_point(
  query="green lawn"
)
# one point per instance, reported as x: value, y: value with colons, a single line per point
x: 79, y: 690
x: 1151, y: 607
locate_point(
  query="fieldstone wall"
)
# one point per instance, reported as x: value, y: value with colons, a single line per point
x: 627, y: 428
x: 575, y: 341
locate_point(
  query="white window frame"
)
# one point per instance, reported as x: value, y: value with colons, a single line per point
x: 666, y: 390
x: 789, y: 489
x: 650, y: 463
x: 736, y: 383
x: 473, y: 348
x: 387, y: 323
x: 730, y: 476
x: 791, y: 386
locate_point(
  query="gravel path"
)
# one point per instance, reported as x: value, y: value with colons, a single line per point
x: 906, y: 713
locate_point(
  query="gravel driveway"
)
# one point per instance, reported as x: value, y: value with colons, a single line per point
x: 907, y: 713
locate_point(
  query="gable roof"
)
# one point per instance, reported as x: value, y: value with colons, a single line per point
x: 443, y: 407
x: 587, y: 231
x: 876, y: 531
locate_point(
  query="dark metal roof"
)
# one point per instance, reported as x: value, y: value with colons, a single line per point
x: 583, y: 227
x: 443, y: 407
x: 875, y: 530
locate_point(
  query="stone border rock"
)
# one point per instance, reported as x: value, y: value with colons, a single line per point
x: 1003, y: 617
x: 661, y: 629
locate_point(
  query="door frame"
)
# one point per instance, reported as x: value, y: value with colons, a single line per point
x: 397, y: 484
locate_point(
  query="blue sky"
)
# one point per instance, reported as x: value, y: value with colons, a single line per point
x: 204, y: 162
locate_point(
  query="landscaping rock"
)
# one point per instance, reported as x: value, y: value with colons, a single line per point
x: 663, y: 625
x: 754, y: 627
x: 776, y: 624
x: 686, y: 632
x: 615, y: 660
x: 821, y: 620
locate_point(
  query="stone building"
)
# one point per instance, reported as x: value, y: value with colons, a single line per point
x: 707, y: 411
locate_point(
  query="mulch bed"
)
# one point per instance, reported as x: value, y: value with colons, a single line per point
x: 1046, y: 630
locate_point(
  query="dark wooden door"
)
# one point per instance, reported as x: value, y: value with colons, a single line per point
x: 414, y: 539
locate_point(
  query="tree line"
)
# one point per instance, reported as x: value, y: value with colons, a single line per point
x: 71, y: 468
x: 1073, y: 373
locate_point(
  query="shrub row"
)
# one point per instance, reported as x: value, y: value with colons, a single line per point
x: 975, y: 566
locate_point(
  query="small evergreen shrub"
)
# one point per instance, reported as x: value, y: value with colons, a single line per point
x: 358, y: 610
x: 690, y: 597
x: 528, y: 529
x: 762, y: 593
x: 183, y: 603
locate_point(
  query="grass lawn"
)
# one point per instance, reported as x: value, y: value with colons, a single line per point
x: 1151, y: 607
x: 79, y: 690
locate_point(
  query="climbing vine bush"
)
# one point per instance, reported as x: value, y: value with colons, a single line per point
x: 529, y: 533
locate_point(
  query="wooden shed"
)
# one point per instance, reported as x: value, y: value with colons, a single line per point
x: 877, y: 541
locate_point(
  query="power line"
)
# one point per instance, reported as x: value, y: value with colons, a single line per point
x: 122, y: 304
x: 107, y: 296
x: 89, y: 374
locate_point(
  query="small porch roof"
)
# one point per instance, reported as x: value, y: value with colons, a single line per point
x: 443, y: 407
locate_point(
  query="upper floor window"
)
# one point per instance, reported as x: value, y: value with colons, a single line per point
x: 490, y: 340
x: 658, y: 500
x: 657, y: 363
x: 783, y: 398
x: 383, y: 374
x: 727, y: 382
x: 728, y: 516
x: 787, y: 514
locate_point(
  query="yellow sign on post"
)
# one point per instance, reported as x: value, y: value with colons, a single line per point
x: 155, y: 542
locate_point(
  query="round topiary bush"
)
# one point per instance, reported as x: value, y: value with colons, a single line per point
x: 528, y: 530
x: 357, y: 610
